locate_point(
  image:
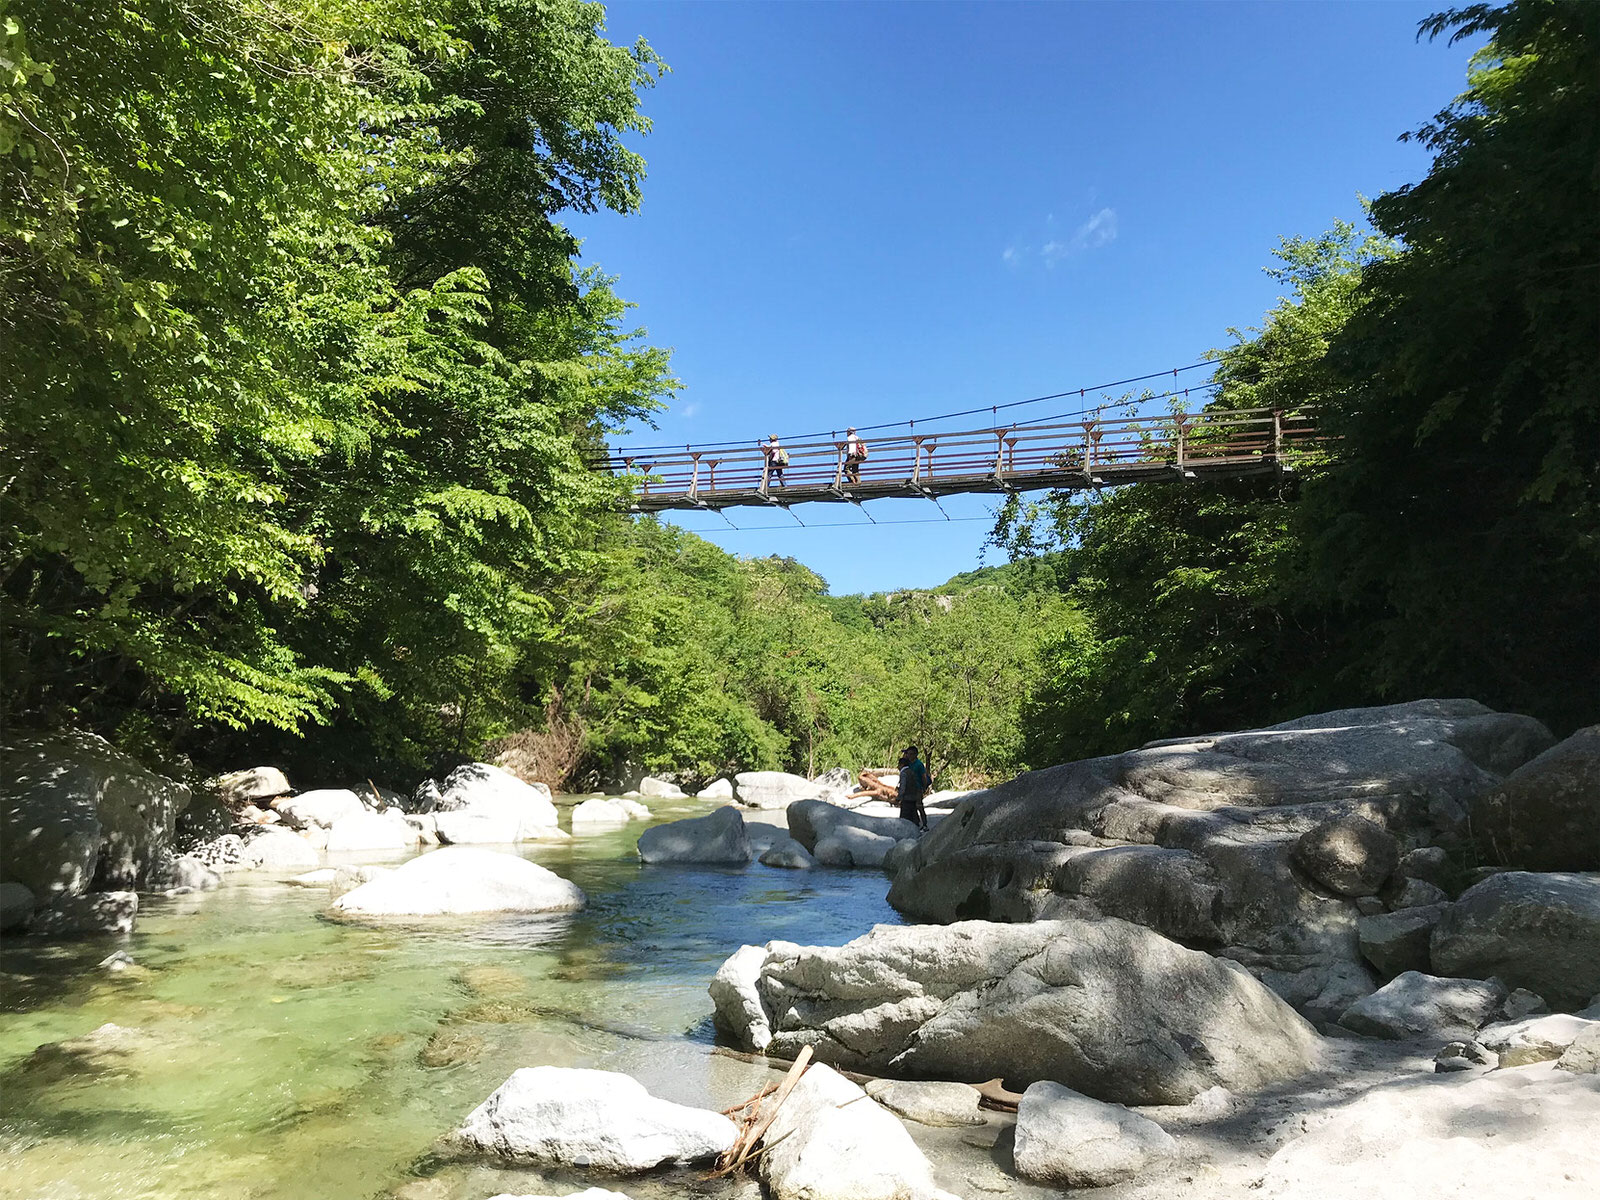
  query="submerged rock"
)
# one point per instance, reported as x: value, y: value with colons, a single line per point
x: 596, y: 1119
x: 1109, y: 1008
x: 16, y: 907
x: 451, y: 1047
x: 829, y: 1141
x: 458, y: 880
x: 79, y: 916
x: 718, y: 837
x: 788, y: 853
x: 1064, y: 1137
x: 1535, y: 931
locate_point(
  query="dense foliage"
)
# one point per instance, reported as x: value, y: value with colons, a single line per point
x: 672, y: 654
x: 1446, y: 543
x: 299, y: 370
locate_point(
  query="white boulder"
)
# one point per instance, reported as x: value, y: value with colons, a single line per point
x: 717, y: 789
x: 484, y: 790
x: 323, y: 807
x: 813, y: 821
x: 608, y: 810
x: 830, y: 1141
x: 278, y: 849
x: 773, y: 789
x: 251, y: 784
x: 660, y: 789
x: 370, y: 831
x: 462, y: 880
x: 1064, y: 1137
x: 595, y: 1119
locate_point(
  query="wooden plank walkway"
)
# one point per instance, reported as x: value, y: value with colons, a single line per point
x: 1086, y: 453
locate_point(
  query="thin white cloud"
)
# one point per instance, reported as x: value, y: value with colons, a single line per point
x: 689, y: 410
x: 1100, y: 229
x: 1097, y: 231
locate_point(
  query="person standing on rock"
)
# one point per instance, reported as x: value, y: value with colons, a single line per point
x: 914, y: 784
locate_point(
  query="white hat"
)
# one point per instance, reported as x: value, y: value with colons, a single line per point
x: 852, y: 429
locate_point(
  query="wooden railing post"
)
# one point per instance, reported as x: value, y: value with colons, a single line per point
x: 766, y: 471
x: 694, y: 477
x: 916, y: 460
x: 838, y: 472
x: 1088, y: 451
x: 999, y: 453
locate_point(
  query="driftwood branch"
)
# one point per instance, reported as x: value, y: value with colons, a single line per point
x: 757, y: 1121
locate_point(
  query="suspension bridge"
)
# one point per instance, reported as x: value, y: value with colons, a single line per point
x: 1089, y: 452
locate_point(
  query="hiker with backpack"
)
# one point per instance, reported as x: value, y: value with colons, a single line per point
x: 777, y: 459
x: 855, y: 453
x: 914, y: 784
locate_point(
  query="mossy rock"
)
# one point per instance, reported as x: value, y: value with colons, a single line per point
x: 491, y: 982
x: 451, y: 1047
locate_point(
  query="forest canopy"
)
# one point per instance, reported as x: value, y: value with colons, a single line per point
x: 302, y: 372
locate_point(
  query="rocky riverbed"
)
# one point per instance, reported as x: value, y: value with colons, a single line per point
x: 1336, y: 958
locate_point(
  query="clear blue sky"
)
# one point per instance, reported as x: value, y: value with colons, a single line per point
x: 866, y: 212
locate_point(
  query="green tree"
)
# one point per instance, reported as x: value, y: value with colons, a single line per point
x: 1458, y: 522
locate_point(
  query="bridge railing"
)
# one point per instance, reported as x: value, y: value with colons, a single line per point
x: 1037, y: 455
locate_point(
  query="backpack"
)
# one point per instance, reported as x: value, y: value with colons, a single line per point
x: 780, y: 457
x: 861, y: 450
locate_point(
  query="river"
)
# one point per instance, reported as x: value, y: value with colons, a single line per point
x: 279, y: 1055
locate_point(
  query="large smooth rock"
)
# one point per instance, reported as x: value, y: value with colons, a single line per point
x: 321, y: 807
x: 1109, y: 1008
x: 371, y: 832
x: 1213, y: 822
x: 252, y: 785
x: 279, y: 850
x: 595, y: 1119
x: 845, y: 846
x: 830, y: 1141
x: 1545, y: 815
x: 773, y: 789
x: 1064, y: 1137
x: 189, y: 872
x: 1349, y: 855
x: 1415, y: 1005
x: 91, y: 913
x: 660, y: 789
x: 789, y: 854
x: 1527, y: 1133
x: 75, y: 812
x: 813, y: 821
x: 1535, y: 931
x: 929, y: 1103
x: 608, y: 811
x: 483, y: 790
x: 16, y: 907
x: 462, y: 880
x: 717, y: 789
x: 1398, y: 942
x: 718, y: 837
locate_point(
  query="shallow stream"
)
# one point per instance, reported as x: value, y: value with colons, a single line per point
x: 278, y: 1054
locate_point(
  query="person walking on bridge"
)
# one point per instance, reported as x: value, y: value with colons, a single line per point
x: 777, y: 459
x: 914, y: 784
x: 855, y: 453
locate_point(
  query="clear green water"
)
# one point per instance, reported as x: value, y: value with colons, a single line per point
x: 280, y: 1055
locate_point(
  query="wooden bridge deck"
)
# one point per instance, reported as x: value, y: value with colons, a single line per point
x: 1082, y: 454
